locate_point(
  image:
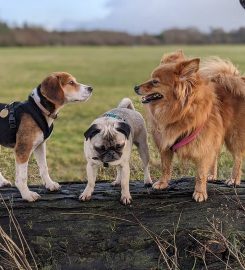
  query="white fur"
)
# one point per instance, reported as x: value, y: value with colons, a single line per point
x: 82, y: 94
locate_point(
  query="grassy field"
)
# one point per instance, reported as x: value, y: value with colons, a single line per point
x: 112, y: 71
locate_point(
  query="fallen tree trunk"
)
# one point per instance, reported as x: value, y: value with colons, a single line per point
x: 160, y: 230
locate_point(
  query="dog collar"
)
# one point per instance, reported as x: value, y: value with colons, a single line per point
x: 113, y: 115
x: 36, y: 95
x: 182, y: 142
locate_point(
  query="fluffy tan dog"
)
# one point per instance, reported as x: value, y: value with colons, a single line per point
x: 192, y: 111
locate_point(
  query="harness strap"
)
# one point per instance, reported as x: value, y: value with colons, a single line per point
x: 187, y: 139
x: 113, y: 115
x: 12, y: 119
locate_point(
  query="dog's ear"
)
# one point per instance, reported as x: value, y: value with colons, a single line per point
x: 124, y: 128
x: 91, y: 132
x: 186, y: 79
x: 51, y: 88
x: 173, y: 57
x: 186, y: 69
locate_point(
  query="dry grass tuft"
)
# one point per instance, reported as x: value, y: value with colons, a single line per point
x: 14, y: 256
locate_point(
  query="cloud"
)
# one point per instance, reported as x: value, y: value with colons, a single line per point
x: 153, y: 16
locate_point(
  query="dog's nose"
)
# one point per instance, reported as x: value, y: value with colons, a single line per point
x: 90, y: 88
x: 136, y: 89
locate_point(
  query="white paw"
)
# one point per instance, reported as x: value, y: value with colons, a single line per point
x: 85, y: 196
x: 4, y: 183
x: 160, y: 185
x: 116, y: 183
x: 31, y: 196
x: 126, y: 199
x: 232, y: 182
x: 212, y: 177
x: 200, y: 196
x: 52, y: 186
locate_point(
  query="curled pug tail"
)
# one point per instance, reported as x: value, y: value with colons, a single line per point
x: 126, y: 103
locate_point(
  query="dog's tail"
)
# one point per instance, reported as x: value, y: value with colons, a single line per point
x: 126, y: 103
x: 225, y: 74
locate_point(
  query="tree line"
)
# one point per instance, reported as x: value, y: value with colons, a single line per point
x: 37, y: 36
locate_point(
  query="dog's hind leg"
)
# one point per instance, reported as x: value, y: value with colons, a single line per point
x: 40, y: 155
x: 3, y: 181
x: 143, y: 150
x: 213, y: 170
x: 22, y: 154
x: 235, y: 178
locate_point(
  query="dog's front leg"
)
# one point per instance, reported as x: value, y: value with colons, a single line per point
x: 125, y: 174
x: 40, y: 155
x: 166, y: 159
x: 91, y: 175
x: 21, y: 165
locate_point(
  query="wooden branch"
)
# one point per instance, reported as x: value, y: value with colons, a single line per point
x: 103, y: 234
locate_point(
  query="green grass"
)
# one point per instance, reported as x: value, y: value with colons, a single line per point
x: 112, y: 71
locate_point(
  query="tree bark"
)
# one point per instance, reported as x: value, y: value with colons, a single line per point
x: 64, y: 233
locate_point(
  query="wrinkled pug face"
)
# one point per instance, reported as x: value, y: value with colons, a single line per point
x: 108, y: 140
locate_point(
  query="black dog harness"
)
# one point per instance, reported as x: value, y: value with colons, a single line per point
x: 9, y: 123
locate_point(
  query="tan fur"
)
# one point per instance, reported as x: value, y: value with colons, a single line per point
x: 187, y: 104
x: 230, y: 88
x: 25, y: 138
x: 191, y: 99
x: 224, y: 73
x: 173, y: 57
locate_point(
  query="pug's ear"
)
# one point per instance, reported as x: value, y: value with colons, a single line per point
x: 124, y: 128
x: 91, y: 132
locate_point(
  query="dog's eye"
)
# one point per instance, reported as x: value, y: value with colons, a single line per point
x: 119, y: 146
x: 155, y: 82
x: 71, y: 82
x: 100, y: 148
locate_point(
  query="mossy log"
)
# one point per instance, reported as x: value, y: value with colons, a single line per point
x: 64, y: 233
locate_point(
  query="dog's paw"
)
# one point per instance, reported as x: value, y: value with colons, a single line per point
x: 5, y: 183
x: 200, y: 196
x: 116, y: 183
x: 31, y: 196
x: 126, y: 199
x: 160, y: 185
x: 211, y: 177
x: 232, y: 182
x: 85, y: 196
x: 52, y: 186
x: 148, y: 183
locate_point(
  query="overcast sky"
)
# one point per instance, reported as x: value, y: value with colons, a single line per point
x: 133, y: 16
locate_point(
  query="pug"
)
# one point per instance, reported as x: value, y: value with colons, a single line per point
x: 109, y: 141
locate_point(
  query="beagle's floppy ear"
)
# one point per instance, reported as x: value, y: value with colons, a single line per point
x: 51, y: 88
x: 91, y: 132
x: 124, y: 128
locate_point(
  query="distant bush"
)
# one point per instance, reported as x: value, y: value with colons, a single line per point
x: 36, y: 36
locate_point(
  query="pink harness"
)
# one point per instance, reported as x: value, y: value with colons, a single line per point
x: 187, y: 139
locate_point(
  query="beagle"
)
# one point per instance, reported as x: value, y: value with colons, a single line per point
x: 25, y: 126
